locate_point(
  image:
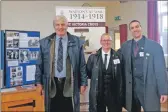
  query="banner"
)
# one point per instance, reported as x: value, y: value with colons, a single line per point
x: 82, y: 14
x: 89, y: 24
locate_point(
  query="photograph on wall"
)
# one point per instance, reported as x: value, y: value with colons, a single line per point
x: 33, y: 42
x: 12, y: 40
x: 33, y: 55
x: 12, y: 43
x: 23, y: 55
x: 15, y: 43
x: 9, y: 43
x: 12, y: 34
x: 29, y: 42
x: 16, y: 76
x: 12, y: 54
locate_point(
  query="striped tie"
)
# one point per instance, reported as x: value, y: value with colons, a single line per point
x: 60, y: 56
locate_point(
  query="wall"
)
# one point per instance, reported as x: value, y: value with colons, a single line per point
x: 134, y: 10
x: 38, y: 15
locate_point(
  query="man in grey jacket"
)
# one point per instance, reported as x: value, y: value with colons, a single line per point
x: 61, y: 69
x: 144, y: 68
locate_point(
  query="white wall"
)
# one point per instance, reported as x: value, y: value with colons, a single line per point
x: 32, y: 15
x: 134, y: 10
x: 38, y: 15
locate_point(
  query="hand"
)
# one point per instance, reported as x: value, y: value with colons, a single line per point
x: 82, y: 89
x: 163, y: 98
x: 40, y: 89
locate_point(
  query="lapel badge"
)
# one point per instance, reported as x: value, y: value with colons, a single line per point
x: 142, y: 48
x: 147, y: 54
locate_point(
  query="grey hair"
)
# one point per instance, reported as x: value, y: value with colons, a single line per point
x: 61, y: 18
x: 106, y: 34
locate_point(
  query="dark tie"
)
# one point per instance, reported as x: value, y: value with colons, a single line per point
x: 105, y: 60
x: 136, y: 49
x: 60, y: 56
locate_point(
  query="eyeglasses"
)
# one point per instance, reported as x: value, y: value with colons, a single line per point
x: 106, y: 41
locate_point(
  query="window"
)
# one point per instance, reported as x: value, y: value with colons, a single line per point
x: 163, y: 25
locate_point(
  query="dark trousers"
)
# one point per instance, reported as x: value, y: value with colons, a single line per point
x: 60, y: 103
x: 136, y: 105
x: 107, y: 102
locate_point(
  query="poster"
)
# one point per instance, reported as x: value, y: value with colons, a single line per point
x: 22, y: 50
x: 33, y: 55
x: 16, y: 76
x: 29, y: 42
x: 88, y: 24
x: 12, y: 54
x: 24, y: 55
x: 12, y: 40
x: 33, y: 42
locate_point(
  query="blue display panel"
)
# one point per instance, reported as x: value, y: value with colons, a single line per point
x: 22, y: 50
x: 1, y: 59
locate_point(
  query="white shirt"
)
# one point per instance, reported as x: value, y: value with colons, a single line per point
x: 108, y: 57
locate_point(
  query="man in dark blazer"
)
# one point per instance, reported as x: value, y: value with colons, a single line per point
x: 103, y: 68
x: 145, y: 75
x: 61, y: 69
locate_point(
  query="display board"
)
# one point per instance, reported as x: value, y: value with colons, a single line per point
x: 1, y: 59
x: 22, y: 51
